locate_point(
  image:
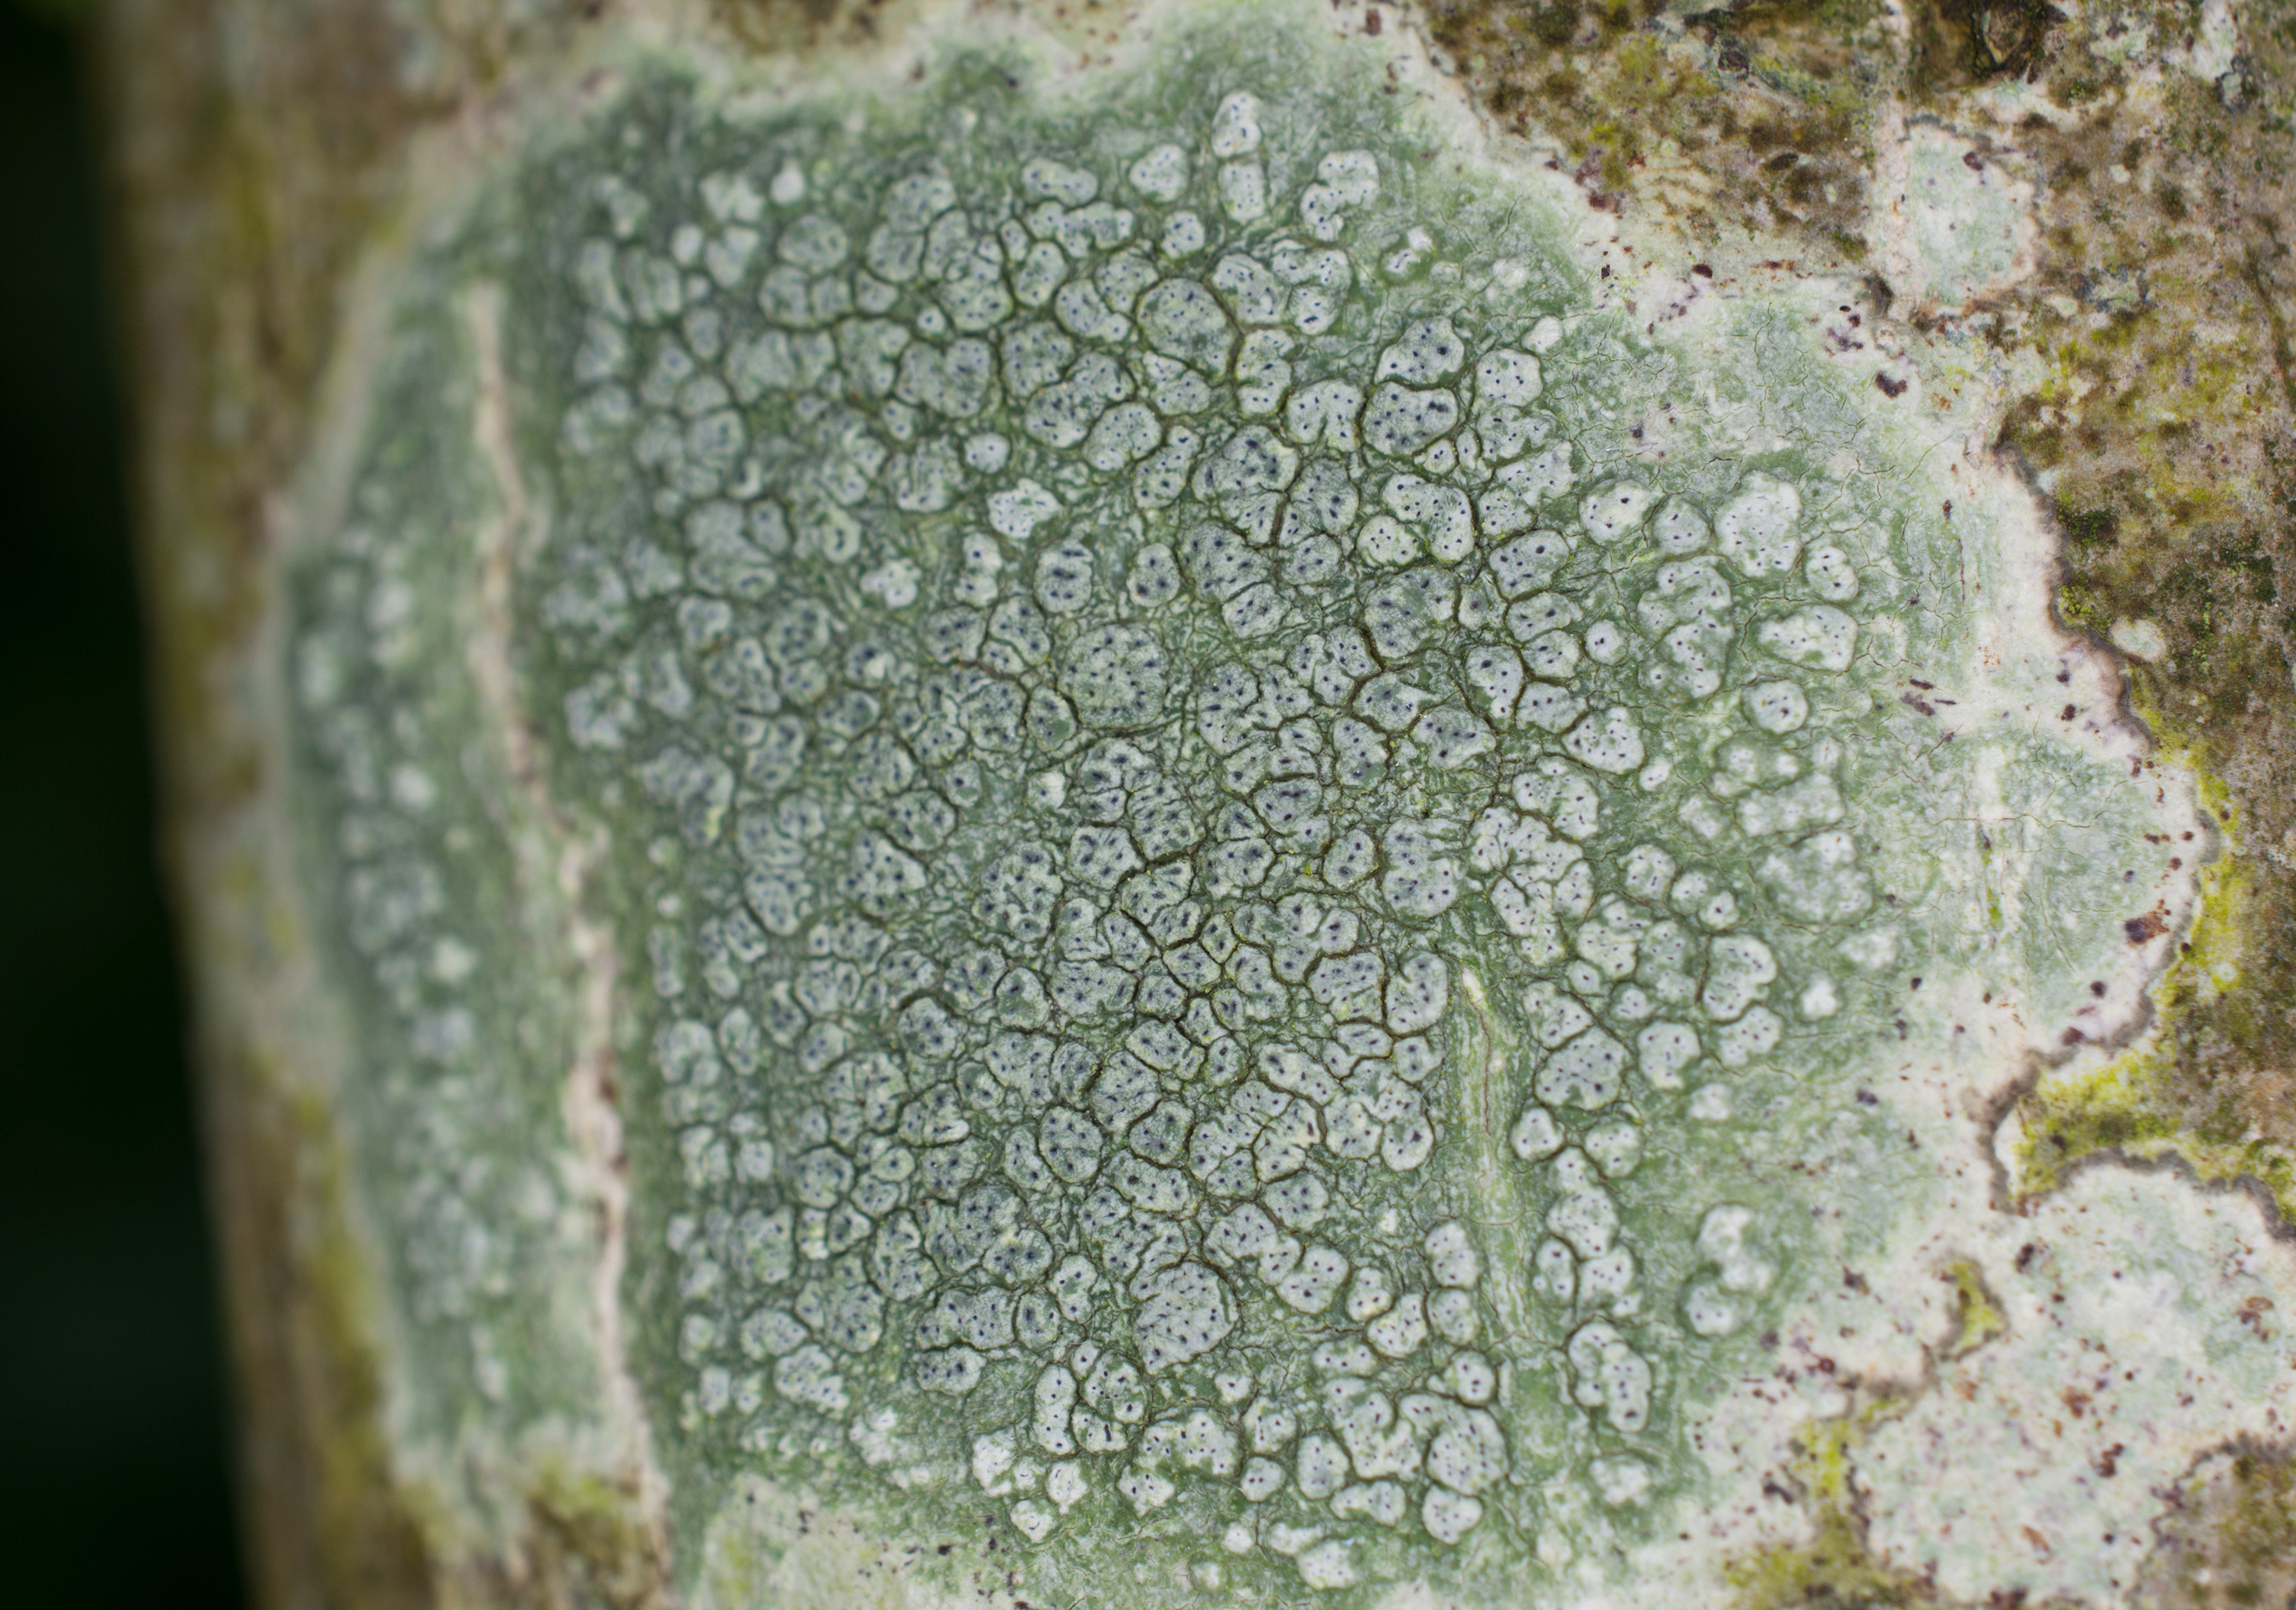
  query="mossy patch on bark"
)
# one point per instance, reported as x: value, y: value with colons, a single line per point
x: 1758, y: 119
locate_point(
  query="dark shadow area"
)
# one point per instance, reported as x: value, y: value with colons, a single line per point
x: 114, y: 1475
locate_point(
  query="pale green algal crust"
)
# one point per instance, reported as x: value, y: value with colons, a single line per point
x: 1288, y: 903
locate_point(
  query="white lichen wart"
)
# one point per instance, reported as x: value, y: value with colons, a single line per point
x: 1078, y: 642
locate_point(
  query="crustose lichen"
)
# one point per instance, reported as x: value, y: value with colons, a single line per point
x: 1092, y: 633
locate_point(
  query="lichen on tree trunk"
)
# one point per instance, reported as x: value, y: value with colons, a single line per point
x: 1318, y: 802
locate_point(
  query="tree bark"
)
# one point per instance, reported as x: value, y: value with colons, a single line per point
x: 658, y: 629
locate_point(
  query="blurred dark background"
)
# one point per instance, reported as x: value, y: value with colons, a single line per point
x: 113, y: 1470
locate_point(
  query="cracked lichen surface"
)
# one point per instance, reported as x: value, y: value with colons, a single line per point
x: 1286, y: 902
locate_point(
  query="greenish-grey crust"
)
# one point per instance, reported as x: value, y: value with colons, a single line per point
x: 677, y: 711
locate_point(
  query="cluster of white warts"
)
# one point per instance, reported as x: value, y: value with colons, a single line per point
x: 1197, y: 1003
